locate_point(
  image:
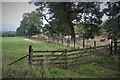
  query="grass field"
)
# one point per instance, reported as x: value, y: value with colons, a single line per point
x: 16, y: 47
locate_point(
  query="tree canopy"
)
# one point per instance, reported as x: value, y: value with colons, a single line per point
x: 112, y: 25
x: 31, y: 24
x: 71, y: 18
x: 64, y: 16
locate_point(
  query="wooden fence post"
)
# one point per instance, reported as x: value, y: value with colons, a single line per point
x: 90, y: 49
x: 66, y: 64
x: 53, y: 39
x: 30, y: 54
x: 68, y: 42
x: 95, y: 44
x: 48, y: 38
x: 74, y: 41
x: 83, y: 43
x: 62, y: 41
x: 111, y: 47
x: 57, y: 40
x: 115, y: 47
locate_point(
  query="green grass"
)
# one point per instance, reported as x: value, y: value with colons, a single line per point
x: 16, y: 47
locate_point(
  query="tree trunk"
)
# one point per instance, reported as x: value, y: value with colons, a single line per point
x: 73, y: 35
x: 71, y: 28
x: 115, y: 47
x: 116, y: 35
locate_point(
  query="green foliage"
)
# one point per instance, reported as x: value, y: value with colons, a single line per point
x: 112, y: 25
x: 91, y: 30
x: 112, y: 28
x: 92, y: 18
x: 79, y: 30
x: 112, y: 10
x: 30, y: 25
x: 8, y: 34
x: 64, y: 16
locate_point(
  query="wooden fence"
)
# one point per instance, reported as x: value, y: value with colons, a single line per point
x: 63, y: 58
x: 114, y: 49
x: 79, y: 41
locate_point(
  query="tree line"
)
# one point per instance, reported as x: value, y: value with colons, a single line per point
x: 7, y: 34
x: 71, y: 19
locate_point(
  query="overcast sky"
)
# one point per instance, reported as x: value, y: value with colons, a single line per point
x: 12, y: 14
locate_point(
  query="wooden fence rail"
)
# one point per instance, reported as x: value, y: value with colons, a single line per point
x: 63, y: 56
x: 54, y: 55
x: 18, y: 60
x: 37, y: 51
x: 58, y: 56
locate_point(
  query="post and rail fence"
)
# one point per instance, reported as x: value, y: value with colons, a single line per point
x: 58, y: 57
x: 65, y: 41
x: 62, y: 56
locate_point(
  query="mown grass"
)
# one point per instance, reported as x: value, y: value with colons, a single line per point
x: 16, y: 47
